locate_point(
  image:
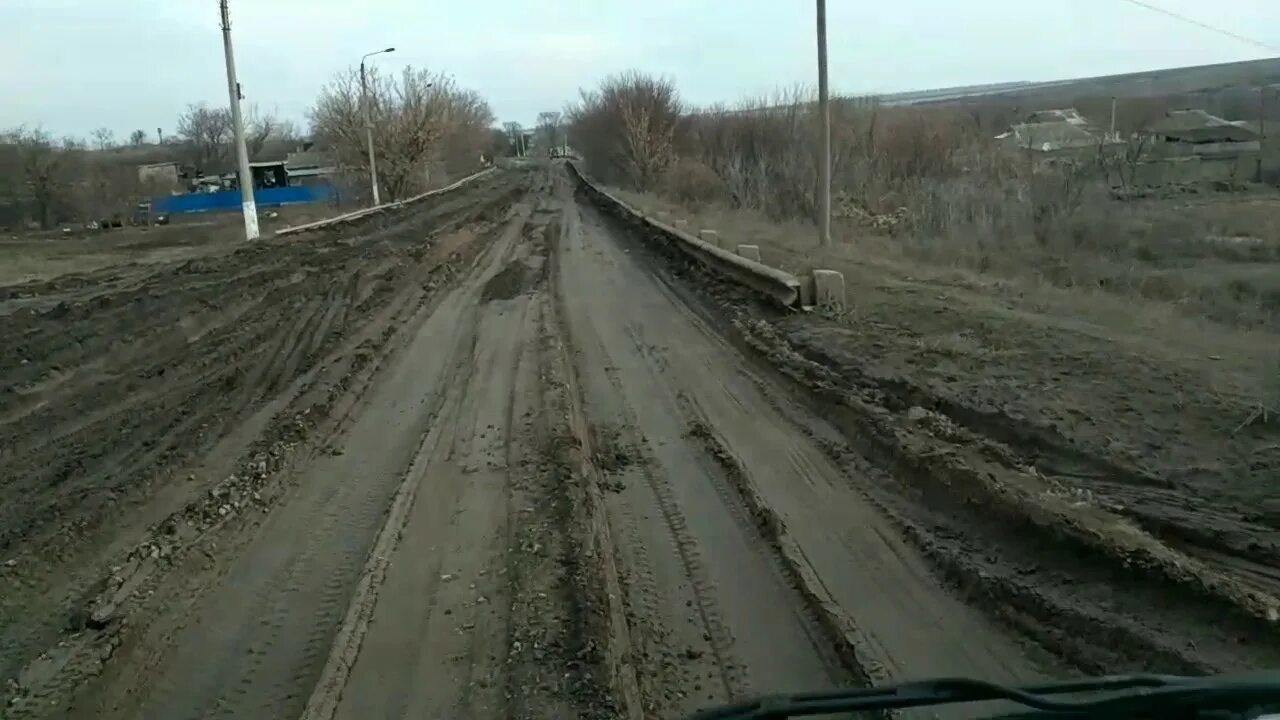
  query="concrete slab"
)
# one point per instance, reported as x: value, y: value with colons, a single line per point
x: 750, y: 252
x: 828, y: 288
x: 710, y: 236
x: 807, y: 291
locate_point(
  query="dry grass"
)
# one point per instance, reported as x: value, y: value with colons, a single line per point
x: 928, y: 187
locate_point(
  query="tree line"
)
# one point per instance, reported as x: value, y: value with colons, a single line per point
x: 425, y: 126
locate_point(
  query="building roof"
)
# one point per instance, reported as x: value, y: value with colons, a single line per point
x: 308, y: 159
x: 1272, y: 127
x: 1198, y: 126
x: 1068, y: 115
x: 1050, y: 136
x: 311, y: 171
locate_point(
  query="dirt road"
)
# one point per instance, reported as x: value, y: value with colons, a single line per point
x: 534, y: 475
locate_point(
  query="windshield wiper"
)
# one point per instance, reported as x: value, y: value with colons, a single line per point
x: 1121, y: 696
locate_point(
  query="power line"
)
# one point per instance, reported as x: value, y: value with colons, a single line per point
x: 1205, y: 26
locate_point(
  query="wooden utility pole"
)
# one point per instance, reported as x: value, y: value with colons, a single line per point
x: 824, y: 114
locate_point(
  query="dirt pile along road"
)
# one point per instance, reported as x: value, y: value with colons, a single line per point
x: 499, y: 456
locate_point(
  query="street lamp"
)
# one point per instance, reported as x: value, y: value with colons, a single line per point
x: 368, y: 121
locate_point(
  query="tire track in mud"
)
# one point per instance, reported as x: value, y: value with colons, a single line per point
x: 598, y: 590
x: 651, y: 624
x: 316, y: 573
x: 1029, y: 571
x: 325, y: 329
x: 536, y: 642
x: 733, y: 674
x: 1032, y: 569
x: 737, y: 590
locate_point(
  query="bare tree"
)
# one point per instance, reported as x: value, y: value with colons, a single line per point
x: 418, y: 117
x: 264, y: 128
x: 137, y: 137
x: 515, y: 133
x: 103, y: 138
x: 628, y: 126
x: 549, y: 131
x: 45, y: 180
x: 206, y: 132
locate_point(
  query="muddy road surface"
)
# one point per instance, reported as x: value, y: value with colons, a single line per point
x: 496, y: 456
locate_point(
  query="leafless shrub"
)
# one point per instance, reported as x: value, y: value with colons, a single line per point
x: 626, y: 129
x: 931, y: 185
x: 46, y: 182
x: 692, y: 183
x: 417, y: 117
x: 41, y: 177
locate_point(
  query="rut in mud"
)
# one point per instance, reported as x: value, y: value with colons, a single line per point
x: 1046, y: 565
x: 507, y: 457
x: 146, y: 406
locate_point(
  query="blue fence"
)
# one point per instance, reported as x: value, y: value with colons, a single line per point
x: 225, y: 200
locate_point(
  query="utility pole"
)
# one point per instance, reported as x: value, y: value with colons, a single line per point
x: 824, y: 113
x: 237, y: 123
x: 1113, y: 119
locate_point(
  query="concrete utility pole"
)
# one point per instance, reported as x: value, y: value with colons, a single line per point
x: 824, y: 112
x: 368, y: 122
x: 237, y: 123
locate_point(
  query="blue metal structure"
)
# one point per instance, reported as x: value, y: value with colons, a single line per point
x: 228, y: 200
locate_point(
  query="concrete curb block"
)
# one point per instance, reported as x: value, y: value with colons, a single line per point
x: 750, y: 252
x: 782, y: 287
x: 349, y: 217
x: 710, y: 237
x: 828, y: 289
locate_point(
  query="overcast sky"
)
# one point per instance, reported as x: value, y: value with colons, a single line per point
x: 74, y: 65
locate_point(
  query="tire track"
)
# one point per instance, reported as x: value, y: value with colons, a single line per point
x: 765, y: 636
x: 198, y: 397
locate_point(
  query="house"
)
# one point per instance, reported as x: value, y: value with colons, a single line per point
x: 269, y: 174
x: 1192, y: 146
x: 1071, y: 116
x: 1062, y: 131
x: 1197, y: 127
x: 309, y: 166
x: 1049, y: 137
x: 162, y: 176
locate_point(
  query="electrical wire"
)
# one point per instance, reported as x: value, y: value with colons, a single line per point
x: 1204, y: 25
